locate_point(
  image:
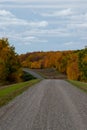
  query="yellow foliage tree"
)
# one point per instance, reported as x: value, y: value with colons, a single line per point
x: 9, y: 62
x: 72, y: 68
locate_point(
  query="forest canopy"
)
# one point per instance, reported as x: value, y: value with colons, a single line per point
x: 72, y: 63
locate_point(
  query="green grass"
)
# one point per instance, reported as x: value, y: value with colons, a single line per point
x: 79, y: 84
x: 9, y: 92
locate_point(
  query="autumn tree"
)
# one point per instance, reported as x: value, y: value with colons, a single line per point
x: 72, y: 63
x: 9, y: 62
x: 83, y: 64
x: 73, y: 72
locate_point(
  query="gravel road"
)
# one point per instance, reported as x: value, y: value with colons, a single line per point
x: 48, y: 105
x: 36, y: 75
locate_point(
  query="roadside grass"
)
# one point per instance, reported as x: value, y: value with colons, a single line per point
x: 79, y: 84
x: 9, y: 92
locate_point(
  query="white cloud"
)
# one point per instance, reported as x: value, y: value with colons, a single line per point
x: 23, y: 38
x: 77, y: 24
x: 42, y: 1
x: 65, y: 12
x: 39, y: 24
x: 72, y: 44
x: 79, y: 18
x: 32, y: 39
x: 69, y: 43
x: 78, y: 27
x: 5, y: 13
x: 50, y: 26
x: 83, y: 25
x: 47, y: 33
x: 8, y: 19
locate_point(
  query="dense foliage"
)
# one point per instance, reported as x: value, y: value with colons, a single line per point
x: 72, y: 63
x: 9, y: 63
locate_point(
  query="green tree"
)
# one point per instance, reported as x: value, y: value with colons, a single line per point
x: 83, y: 64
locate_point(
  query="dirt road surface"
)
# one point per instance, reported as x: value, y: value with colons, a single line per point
x: 49, y: 105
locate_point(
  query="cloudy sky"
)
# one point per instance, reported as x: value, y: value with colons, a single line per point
x: 44, y: 25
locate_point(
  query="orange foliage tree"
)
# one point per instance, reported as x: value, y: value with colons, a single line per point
x: 71, y: 63
x: 73, y: 72
x: 9, y: 62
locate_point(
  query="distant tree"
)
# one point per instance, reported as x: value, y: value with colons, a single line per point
x: 72, y: 63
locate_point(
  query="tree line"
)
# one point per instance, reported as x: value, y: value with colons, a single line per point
x: 72, y: 63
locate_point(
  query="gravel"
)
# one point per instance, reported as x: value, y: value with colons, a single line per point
x: 49, y: 105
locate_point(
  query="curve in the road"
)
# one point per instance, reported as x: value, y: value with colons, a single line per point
x: 32, y: 73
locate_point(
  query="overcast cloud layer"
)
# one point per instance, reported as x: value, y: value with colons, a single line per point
x: 35, y: 25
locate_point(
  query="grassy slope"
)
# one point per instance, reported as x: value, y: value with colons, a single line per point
x: 11, y: 91
x: 78, y: 84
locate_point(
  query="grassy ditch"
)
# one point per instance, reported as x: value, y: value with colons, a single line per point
x: 9, y: 92
x: 79, y: 84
